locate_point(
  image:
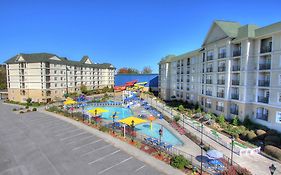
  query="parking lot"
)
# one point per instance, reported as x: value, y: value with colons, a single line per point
x: 38, y: 144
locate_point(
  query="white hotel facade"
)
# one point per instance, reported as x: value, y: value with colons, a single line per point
x: 45, y: 77
x: 236, y: 72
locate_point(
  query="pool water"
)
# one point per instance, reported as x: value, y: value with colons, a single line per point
x: 167, y: 136
x: 120, y: 112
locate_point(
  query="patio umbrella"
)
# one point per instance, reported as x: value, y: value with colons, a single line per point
x: 151, y: 118
x: 216, y: 162
x: 69, y: 101
x: 96, y: 111
x: 128, y: 121
x: 214, y: 154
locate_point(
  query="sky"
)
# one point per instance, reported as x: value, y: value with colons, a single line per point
x: 126, y: 33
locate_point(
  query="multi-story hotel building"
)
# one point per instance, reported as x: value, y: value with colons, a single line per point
x: 236, y: 72
x: 44, y: 77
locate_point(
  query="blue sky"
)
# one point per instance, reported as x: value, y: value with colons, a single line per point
x: 131, y: 33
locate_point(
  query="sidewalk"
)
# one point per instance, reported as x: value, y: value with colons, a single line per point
x: 255, y: 163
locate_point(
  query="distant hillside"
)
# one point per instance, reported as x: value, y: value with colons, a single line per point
x: 3, y: 78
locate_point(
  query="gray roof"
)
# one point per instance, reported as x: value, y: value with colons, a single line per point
x: 46, y: 57
x: 234, y: 31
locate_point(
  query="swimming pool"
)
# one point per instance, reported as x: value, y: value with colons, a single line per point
x: 121, y: 112
x: 167, y: 136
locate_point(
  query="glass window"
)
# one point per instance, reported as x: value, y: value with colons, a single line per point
x: 279, y: 97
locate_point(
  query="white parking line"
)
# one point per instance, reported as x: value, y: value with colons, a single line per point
x: 59, y: 130
x: 95, y: 150
x: 103, y: 157
x: 70, y: 137
x: 115, y: 165
x: 67, y: 131
x: 80, y: 139
x: 140, y: 168
x: 95, y: 141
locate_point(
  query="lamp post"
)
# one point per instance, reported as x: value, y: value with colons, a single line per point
x: 183, y: 121
x: 160, y: 134
x: 201, y: 162
x: 133, y: 127
x: 83, y: 107
x: 232, y: 146
x: 272, y: 169
x: 201, y: 131
x: 113, y: 122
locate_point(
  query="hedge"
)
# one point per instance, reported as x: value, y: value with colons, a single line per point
x: 273, y: 151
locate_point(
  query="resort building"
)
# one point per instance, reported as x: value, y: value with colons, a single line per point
x: 236, y: 72
x: 45, y: 77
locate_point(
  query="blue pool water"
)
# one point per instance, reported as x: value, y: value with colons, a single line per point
x: 167, y: 136
x: 144, y: 128
x: 121, y: 113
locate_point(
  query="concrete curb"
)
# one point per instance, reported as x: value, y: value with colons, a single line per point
x: 155, y: 163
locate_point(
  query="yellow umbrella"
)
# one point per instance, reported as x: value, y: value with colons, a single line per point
x: 69, y: 101
x: 129, y: 120
x: 97, y: 111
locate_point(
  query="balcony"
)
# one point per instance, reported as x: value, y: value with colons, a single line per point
x: 187, y: 80
x: 209, y: 57
x: 208, y: 105
x: 236, y: 68
x: 236, y: 53
x: 221, y: 82
x: 202, y: 80
x: 265, y: 66
x: 178, y: 65
x: 234, y: 111
x: 262, y: 116
x: 187, y: 72
x: 48, y: 93
x: 48, y: 85
x: 263, y: 99
x: 209, y: 69
x: 264, y: 83
x: 235, y: 82
x: 209, y: 93
x: 222, y: 55
x: 220, y: 108
x: 235, y: 96
x: 265, y: 49
x: 220, y: 94
x: 208, y: 81
x: 188, y: 63
x: 221, y: 68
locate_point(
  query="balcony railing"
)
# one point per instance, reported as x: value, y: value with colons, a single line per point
x: 235, y: 96
x: 210, y: 57
x: 208, y: 81
x: 221, y: 68
x: 263, y: 99
x: 187, y: 72
x: 234, y: 111
x: 220, y: 108
x: 236, y: 53
x: 220, y: 94
x: 264, y: 83
x: 236, y: 82
x: 178, y: 65
x: 262, y: 116
x: 266, y: 49
x: 187, y: 80
x: 209, y: 93
x: 188, y: 63
x: 222, y: 55
x: 265, y: 66
x: 221, y: 82
x: 236, y: 68
x: 209, y: 69
x: 208, y: 105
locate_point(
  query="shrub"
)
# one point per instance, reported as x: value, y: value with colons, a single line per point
x: 272, y: 140
x: 235, y: 121
x: 251, y: 135
x: 177, y: 118
x: 28, y: 100
x: 28, y: 110
x: 15, y: 109
x: 235, y: 170
x: 273, y: 151
x: 27, y: 107
x: 220, y: 119
x: 21, y: 112
x: 181, y: 108
x: 103, y: 129
x: 179, y: 162
x: 34, y: 109
x: 260, y: 132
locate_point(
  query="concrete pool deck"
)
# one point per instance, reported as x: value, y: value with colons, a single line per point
x: 45, y: 143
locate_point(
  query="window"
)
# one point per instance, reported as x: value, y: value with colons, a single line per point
x: 280, y: 61
x: 279, y: 79
x: 55, y: 72
x: 279, y: 97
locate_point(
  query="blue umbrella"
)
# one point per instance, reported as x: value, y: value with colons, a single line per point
x: 214, y: 154
x: 216, y: 162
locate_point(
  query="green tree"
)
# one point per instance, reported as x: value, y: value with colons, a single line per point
x: 220, y: 119
x: 83, y: 89
x: 181, y: 108
x: 179, y: 162
x: 235, y: 121
x: 3, y: 80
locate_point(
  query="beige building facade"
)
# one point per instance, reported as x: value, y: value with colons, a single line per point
x: 236, y: 72
x: 45, y: 77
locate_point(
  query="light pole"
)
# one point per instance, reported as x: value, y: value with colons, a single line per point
x: 160, y: 135
x: 201, y: 162
x: 113, y: 122
x: 272, y: 169
x: 183, y: 121
x: 83, y: 107
x: 232, y: 146
x: 201, y: 131
x: 133, y: 127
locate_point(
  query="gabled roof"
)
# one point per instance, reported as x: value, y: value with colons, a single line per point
x: 46, y: 57
x: 276, y: 27
x: 246, y: 31
x: 229, y: 28
x: 171, y: 58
